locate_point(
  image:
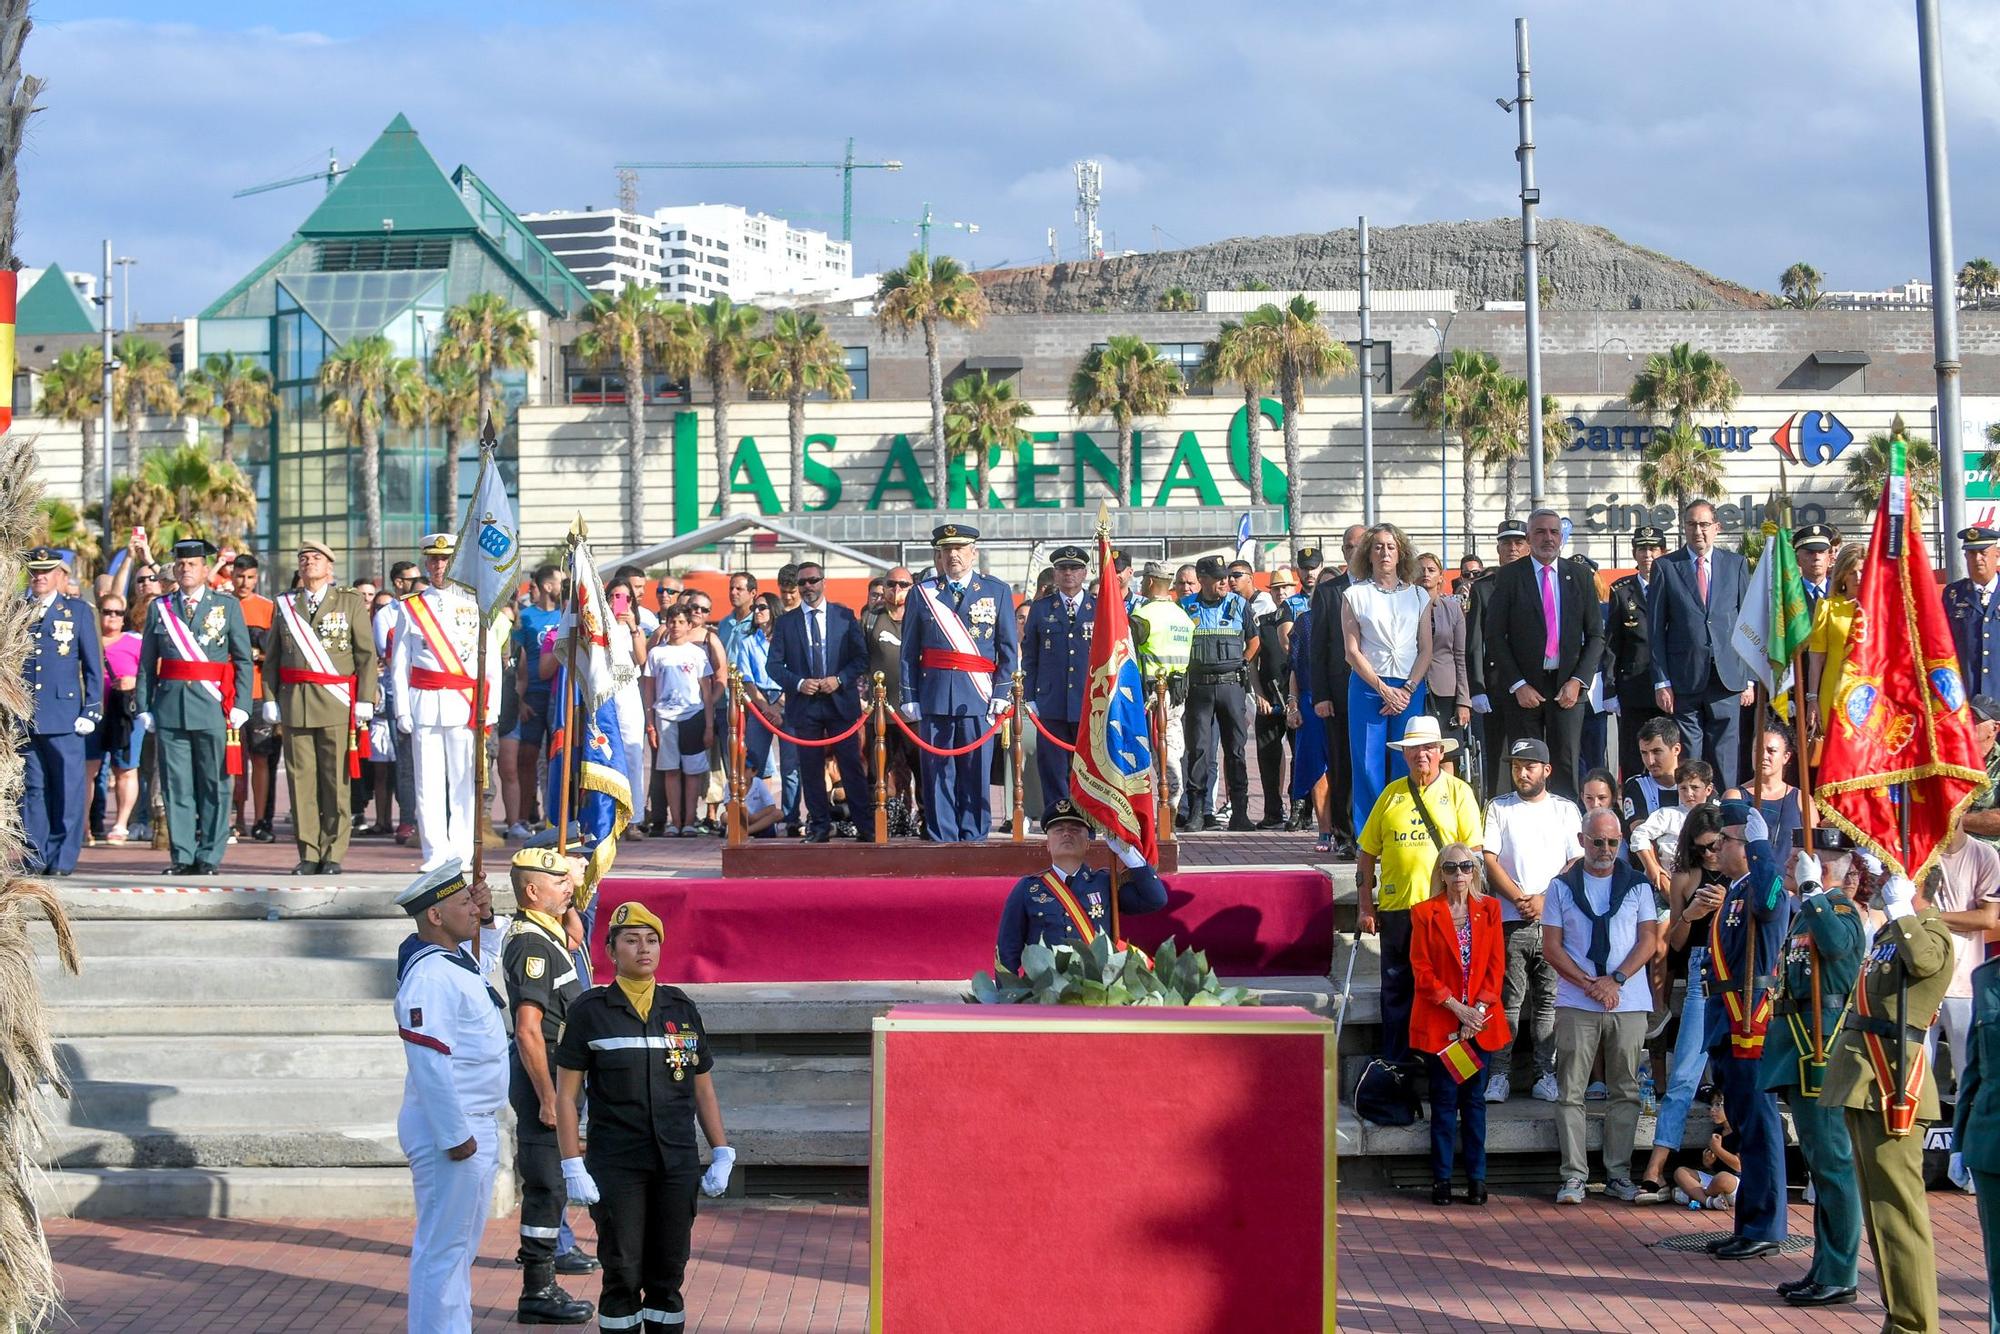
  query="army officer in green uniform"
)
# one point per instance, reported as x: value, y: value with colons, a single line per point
x: 194, y: 691
x: 1975, y: 1124
x: 1821, y: 963
x: 1903, y: 981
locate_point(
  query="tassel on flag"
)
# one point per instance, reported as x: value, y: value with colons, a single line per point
x: 1461, y: 1060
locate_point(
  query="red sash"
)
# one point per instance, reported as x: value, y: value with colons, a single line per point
x: 221, y: 676
x: 950, y: 660
x: 426, y: 678
x: 358, y: 750
x: 1899, y: 1115
x: 451, y: 674
x: 1086, y: 930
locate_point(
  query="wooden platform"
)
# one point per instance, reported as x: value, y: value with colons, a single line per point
x: 785, y: 857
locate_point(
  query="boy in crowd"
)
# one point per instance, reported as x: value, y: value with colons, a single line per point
x: 1660, y: 752
x: 1656, y: 838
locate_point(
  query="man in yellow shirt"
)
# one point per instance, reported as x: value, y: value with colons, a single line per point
x: 1425, y: 811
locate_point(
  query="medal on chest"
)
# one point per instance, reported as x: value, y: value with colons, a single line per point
x: 1096, y: 902
x: 214, y: 625
x: 680, y: 1050
x: 64, y: 631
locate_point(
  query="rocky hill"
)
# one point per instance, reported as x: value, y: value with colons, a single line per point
x: 1591, y: 269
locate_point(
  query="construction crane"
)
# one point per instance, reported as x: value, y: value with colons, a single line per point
x: 923, y: 224
x: 847, y: 166
x: 332, y: 173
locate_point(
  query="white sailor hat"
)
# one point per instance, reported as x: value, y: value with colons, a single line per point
x: 432, y: 888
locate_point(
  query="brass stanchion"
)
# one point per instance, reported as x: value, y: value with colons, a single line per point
x: 739, y: 781
x: 1163, y: 818
x: 881, y: 759
x: 1020, y: 821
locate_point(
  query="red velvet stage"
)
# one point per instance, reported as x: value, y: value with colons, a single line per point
x: 1129, y: 1168
x: 1251, y: 923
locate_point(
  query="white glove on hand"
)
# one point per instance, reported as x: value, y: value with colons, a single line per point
x: 1898, y: 896
x: 1806, y: 874
x: 911, y: 711
x: 406, y: 724
x: 1481, y: 704
x: 1124, y: 852
x: 144, y: 722
x: 1754, y: 828
x: 582, y: 1190
x: 1871, y: 861
x: 364, y: 713
x: 996, y: 706
x: 270, y: 710
x: 84, y: 727
x: 716, y: 1179
x: 1611, y: 705
x: 238, y: 717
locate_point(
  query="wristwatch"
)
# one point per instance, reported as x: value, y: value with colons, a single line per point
x: 1618, y: 976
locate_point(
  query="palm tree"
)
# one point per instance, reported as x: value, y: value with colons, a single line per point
x: 926, y: 292
x: 60, y: 525
x: 232, y: 389
x: 1246, y: 355
x: 1452, y: 397
x: 1679, y: 463
x: 720, y: 333
x: 1868, y: 469
x: 356, y: 384
x: 1501, y: 433
x: 983, y: 412
x: 1128, y: 379
x: 1680, y: 382
x: 206, y: 497
x: 796, y: 358
x: 1978, y: 279
x: 486, y: 336
x: 1800, y: 284
x: 144, y: 382
x: 72, y: 391
x: 1176, y: 298
x: 624, y: 329
x: 454, y: 406
x: 1306, y: 352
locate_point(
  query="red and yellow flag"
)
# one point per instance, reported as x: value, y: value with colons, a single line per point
x: 1111, y: 774
x: 9, y: 282
x: 1461, y: 1060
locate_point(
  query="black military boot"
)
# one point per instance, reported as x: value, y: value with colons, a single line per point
x: 543, y: 1303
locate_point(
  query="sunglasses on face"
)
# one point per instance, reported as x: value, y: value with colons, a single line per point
x: 761, y: 611
x: 898, y: 583
x: 1603, y: 842
x: 1459, y: 868
x: 111, y: 611
x: 1706, y: 845
x: 700, y: 607
x: 808, y: 580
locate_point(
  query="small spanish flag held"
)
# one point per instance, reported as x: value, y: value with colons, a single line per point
x: 1461, y: 1060
x: 8, y: 284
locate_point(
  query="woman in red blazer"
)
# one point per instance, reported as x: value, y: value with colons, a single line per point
x: 1458, y: 960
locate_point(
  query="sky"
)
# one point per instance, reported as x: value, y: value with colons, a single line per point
x: 1739, y: 136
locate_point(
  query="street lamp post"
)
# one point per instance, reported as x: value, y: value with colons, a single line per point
x: 1439, y: 331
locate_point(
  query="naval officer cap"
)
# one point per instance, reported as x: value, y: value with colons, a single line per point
x: 1646, y: 535
x: 440, y: 544
x: 44, y: 558
x: 432, y: 888
x: 1064, y: 811
x: 193, y: 548
x: 954, y: 535
x: 1511, y: 528
x: 632, y: 913
x: 1978, y: 538
x: 1070, y: 555
x: 1815, y: 537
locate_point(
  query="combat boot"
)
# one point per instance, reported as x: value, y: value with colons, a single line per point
x: 544, y: 1303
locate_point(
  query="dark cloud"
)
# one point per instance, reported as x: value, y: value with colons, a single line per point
x: 1738, y: 136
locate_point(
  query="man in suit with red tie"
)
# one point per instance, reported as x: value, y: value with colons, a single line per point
x: 1696, y: 596
x: 1548, y: 604
x: 818, y: 656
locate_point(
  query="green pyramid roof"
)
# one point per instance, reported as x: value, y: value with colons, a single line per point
x: 50, y: 304
x: 396, y: 181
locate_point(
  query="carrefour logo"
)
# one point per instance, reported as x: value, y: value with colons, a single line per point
x: 1812, y: 438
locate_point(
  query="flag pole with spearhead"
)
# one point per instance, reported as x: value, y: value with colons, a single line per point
x: 577, y: 533
x: 1104, y: 557
x: 488, y: 446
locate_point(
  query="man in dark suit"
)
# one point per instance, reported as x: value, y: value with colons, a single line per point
x: 1510, y: 543
x: 1330, y: 671
x: 1628, y: 658
x: 818, y: 656
x: 1544, y: 631
x: 1696, y: 596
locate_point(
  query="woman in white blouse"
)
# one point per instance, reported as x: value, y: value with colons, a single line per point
x: 1385, y: 624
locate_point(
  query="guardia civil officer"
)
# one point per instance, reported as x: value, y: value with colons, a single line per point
x: 455, y: 1049
x: 1218, y: 671
x: 1821, y: 963
x: 65, y: 677
x: 1903, y: 981
x: 542, y: 984
x: 1748, y: 922
x: 1055, y: 659
x: 959, y: 648
x: 1975, y: 1123
x: 1069, y: 903
x: 642, y: 1053
x: 1973, y: 609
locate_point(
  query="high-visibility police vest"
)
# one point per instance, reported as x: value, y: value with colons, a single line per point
x: 1169, y: 639
x: 1218, y: 647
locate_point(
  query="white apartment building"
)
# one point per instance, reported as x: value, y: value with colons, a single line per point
x: 711, y: 250
x: 607, y: 248
x: 1912, y: 295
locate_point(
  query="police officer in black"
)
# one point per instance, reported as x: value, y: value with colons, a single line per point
x: 542, y: 984
x: 1629, y: 654
x: 642, y: 1052
x: 1972, y: 605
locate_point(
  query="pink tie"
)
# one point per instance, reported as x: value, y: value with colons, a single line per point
x: 1550, y: 643
x: 1701, y: 578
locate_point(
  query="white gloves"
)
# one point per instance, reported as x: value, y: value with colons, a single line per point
x: 582, y: 1190
x: 84, y: 727
x: 406, y: 724
x: 270, y: 710
x: 1611, y: 705
x: 238, y: 717
x: 144, y: 722
x: 1806, y: 874
x: 1754, y: 828
x: 1124, y: 852
x: 1898, y: 896
x: 996, y: 706
x: 1871, y: 861
x: 912, y: 711
x: 1481, y: 704
x: 364, y: 713
x: 716, y: 1179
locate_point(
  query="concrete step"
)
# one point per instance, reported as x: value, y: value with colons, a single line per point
x: 196, y: 1104
x: 1519, y: 1125
x: 291, y: 1018
x: 232, y: 938
x: 241, y: 1192
x: 257, y: 979
x: 223, y: 1147
x: 98, y: 897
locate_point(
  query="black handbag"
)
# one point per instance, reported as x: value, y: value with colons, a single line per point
x: 1387, y: 1094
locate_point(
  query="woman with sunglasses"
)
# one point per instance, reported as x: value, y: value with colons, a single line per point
x: 116, y: 739
x: 1458, y: 961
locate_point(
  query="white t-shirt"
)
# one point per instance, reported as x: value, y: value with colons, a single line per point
x: 677, y: 671
x: 1661, y: 831
x: 1971, y: 876
x: 1532, y: 840
x: 1560, y: 909
x: 1388, y: 621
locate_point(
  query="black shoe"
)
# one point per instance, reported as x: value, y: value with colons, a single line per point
x: 577, y: 1260
x: 199, y: 868
x: 1440, y: 1192
x: 1476, y: 1193
x: 820, y: 836
x: 1742, y: 1248
x: 1821, y: 1294
x: 306, y: 868
x: 1713, y: 1246
x: 1271, y: 822
x: 329, y: 868
x: 1240, y: 824
x: 1791, y: 1286
x: 63, y: 874
x: 544, y: 1303
x: 261, y: 832
x: 175, y: 869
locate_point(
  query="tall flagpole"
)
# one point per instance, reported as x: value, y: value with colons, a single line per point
x: 576, y: 536
x: 488, y: 443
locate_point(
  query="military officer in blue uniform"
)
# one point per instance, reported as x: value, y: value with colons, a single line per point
x: 960, y: 644
x: 1821, y: 965
x: 1747, y: 922
x: 1972, y: 605
x: 1069, y: 903
x: 1815, y: 544
x: 1055, y: 659
x: 65, y: 678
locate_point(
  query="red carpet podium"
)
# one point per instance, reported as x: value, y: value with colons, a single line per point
x: 1055, y: 1167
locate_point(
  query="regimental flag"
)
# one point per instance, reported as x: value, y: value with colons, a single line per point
x: 601, y: 796
x: 586, y: 629
x: 488, y: 560
x: 1111, y: 774
x: 1461, y: 1060
x: 1775, y: 621
x: 9, y: 285
x: 1900, y: 719
x: 1246, y: 545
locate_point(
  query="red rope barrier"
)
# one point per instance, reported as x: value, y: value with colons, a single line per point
x: 1051, y: 737
x: 782, y: 735
x: 940, y: 751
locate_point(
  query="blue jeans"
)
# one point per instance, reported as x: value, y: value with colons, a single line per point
x: 1368, y: 738
x: 1458, y: 1113
x: 1690, y: 1059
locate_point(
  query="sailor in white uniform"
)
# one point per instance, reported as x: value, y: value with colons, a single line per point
x: 455, y: 1047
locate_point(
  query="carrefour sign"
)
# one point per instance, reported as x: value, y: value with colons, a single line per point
x: 1810, y: 438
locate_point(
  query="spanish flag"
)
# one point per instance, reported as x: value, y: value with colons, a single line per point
x: 1461, y: 1060
x: 8, y: 281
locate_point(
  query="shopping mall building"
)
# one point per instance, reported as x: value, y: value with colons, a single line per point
x: 399, y: 240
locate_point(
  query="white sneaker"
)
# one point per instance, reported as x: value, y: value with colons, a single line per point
x: 1546, y: 1090
x: 1571, y: 1192
x: 1597, y: 1092
x: 1498, y: 1089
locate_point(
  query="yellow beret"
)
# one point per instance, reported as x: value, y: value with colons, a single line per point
x: 633, y: 913
x: 547, y: 860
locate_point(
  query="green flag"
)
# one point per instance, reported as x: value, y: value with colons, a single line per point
x: 1775, y: 621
